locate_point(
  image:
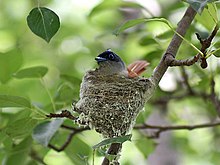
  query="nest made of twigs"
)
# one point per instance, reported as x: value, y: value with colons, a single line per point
x: 110, y: 104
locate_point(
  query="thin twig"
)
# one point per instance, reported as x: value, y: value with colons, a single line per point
x: 214, y: 98
x: 205, y: 44
x: 161, y: 129
x: 186, y: 81
x: 63, y: 114
x: 69, y: 139
x: 173, y: 96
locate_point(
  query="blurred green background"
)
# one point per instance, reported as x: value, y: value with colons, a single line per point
x: 86, y: 30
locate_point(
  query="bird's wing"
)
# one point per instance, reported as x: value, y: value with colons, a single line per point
x: 136, y: 68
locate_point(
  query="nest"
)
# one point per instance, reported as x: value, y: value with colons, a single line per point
x: 111, y: 104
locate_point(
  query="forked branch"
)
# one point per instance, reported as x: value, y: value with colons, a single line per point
x: 74, y: 131
x: 205, y: 44
x: 174, y: 45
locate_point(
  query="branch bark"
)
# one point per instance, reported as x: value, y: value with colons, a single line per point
x: 63, y: 114
x: 161, y: 129
x: 205, y: 43
x: 214, y: 98
x: 74, y: 131
x: 114, y: 149
x: 174, y: 45
x: 186, y: 62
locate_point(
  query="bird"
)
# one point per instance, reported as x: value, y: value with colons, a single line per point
x: 112, y: 95
x: 110, y: 63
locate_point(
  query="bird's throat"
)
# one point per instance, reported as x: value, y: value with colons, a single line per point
x: 108, y: 69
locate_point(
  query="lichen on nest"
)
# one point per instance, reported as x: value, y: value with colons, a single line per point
x: 110, y: 104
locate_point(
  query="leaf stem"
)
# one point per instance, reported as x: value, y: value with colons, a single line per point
x: 188, y: 42
x: 212, y: 52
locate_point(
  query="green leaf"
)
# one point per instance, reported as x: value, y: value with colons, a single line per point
x: 120, y: 139
x: 165, y: 35
x: 112, y: 5
x: 104, y: 5
x: 216, y: 52
x: 217, y: 55
x: 78, y: 150
x: 10, y: 62
x: 128, y: 24
x: 65, y: 93
x: 43, y: 132
x: 3, y: 137
x: 155, y: 54
x: 21, y: 128
x: 14, y: 101
x: 134, y: 22
x: 146, y: 146
x: 43, y: 22
x: 147, y: 40
x: 32, y: 72
x: 19, y: 154
x: 198, y: 5
x: 209, y: 17
x: 70, y: 78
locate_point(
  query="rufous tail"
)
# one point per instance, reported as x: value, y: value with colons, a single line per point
x: 136, y: 68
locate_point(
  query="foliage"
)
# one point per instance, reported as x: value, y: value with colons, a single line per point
x: 112, y: 140
x: 43, y: 22
x: 198, y: 5
x: 43, y: 132
x: 38, y: 78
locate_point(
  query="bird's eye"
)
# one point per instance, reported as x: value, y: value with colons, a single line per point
x: 111, y: 56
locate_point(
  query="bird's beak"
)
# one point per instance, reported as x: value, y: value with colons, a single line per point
x: 100, y: 59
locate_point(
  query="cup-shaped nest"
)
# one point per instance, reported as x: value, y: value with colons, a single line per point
x: 110, y: 104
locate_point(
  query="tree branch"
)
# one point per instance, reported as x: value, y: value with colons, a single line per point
x: 114, y: 149
x: 161, y: 129
x: 74, y: 131
x: 174, y: 45
x: 191, y: 93
x: 205, y: 43
x: 186, y: 81
x: 63, y: 114
x: 186, y: 62
x: 214, y: 98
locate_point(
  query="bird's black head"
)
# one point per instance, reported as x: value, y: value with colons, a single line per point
x: 108, y: 55
x: 110, y: 63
